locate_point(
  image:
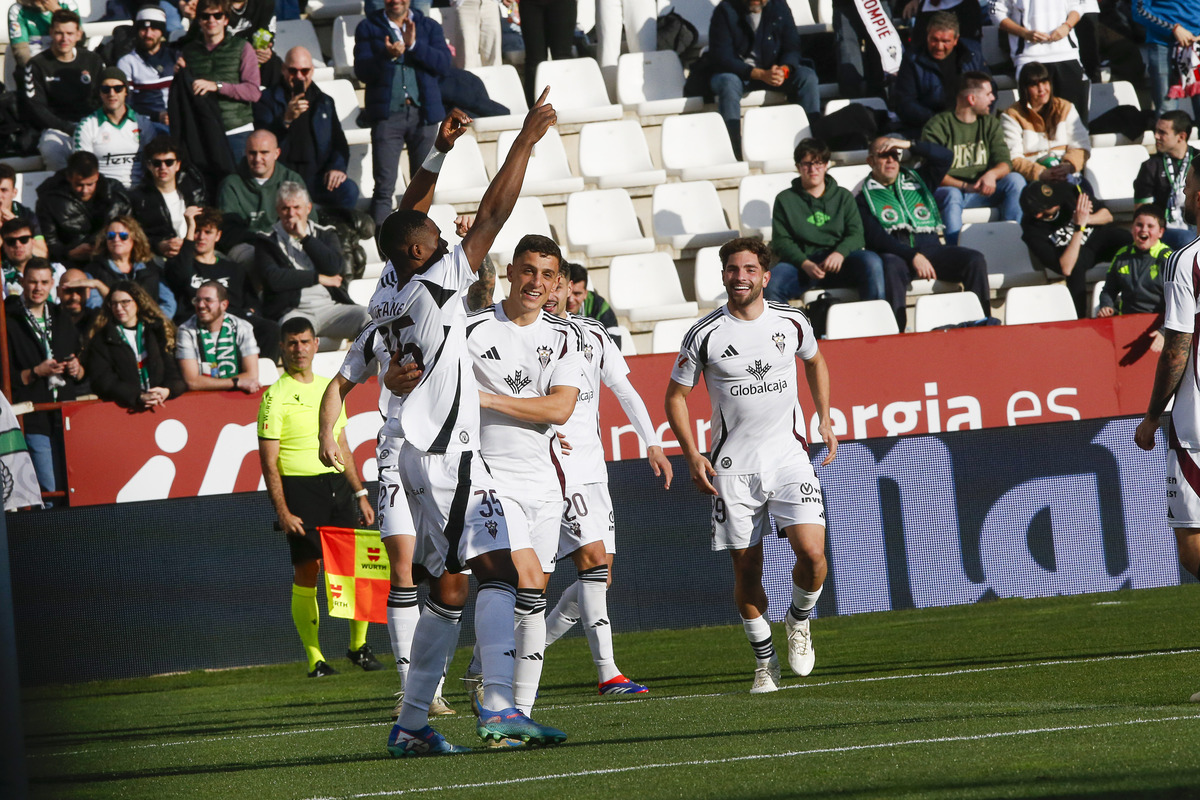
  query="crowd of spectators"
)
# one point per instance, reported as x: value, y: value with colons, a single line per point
x: 198, y: 174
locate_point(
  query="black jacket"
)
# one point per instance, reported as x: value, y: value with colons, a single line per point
x: 113, y: 370
x: 731, y: 40
x: 151, y: 210
x: 196, y: 124
x: 25, y: 351
x: 330, y: 149
x: 184, y: 275
x: 282, y: 282
x: 68, y: 221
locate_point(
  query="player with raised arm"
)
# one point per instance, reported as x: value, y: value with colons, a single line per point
x: 759, y: 465
x: 418, y: 308
x: 529, y: 366
x: 1177, y: 377
x: 587, y: 530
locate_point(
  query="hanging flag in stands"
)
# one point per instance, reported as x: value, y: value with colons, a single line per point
x: 356, y: 574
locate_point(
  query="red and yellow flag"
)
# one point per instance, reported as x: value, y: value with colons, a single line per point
x: 356, y: 574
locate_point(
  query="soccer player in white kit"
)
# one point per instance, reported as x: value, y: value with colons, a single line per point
x: 587, y: 530
x: 529, y: 366
x: 747, y: 350
x: 1177, y: 376
x: 418, y: 307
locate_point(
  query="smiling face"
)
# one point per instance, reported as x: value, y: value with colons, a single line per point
x: 1039, y: 94
x: 532, y: 277
x: 124, y: 308
x: 556, y: 303
x: 119, y: 241
x: 744, y: 278
x: 209, y: 306
x: 212, y: 21
x: 1146, y: 231
x: 72, y: 299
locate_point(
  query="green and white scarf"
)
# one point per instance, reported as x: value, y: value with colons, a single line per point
x: 218, y: 354
x: 43, y: 330
x: 139, y: 353
x: 906, y: 205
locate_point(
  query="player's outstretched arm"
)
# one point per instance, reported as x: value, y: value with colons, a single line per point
x: 554, y: 408
x: 419, y: 194
x: 1171, y: 363
x: 365, y: 512
x: 331, y: 408
x: 817, y: 373
x: 501, y: 195
x: 681, y: 424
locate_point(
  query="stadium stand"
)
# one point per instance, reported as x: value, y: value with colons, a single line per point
x: 696, y: 147
x: 548, y: 172
x: 766, y: 145
x: 935, y: 310
x: 646, y: 288
x: 689, y: 216
x: 861, y: 318
x: 651, y: 84
x: 581, y: 95
x: 603, y: 223
x: 1027, y: 304
x: 614, y: 155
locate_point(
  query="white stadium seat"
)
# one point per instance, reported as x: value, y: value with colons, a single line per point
x: 667, y: 336
x: 1007, y: 256
x: 1095, y: 304
x: 28, y: 183
x: 950, y: 308
x: 291, y: 33
x: 603, y: 222
x: 696, y: 147
x: 360, y: 170
x: 756, y: 201
x: 463, y: 178
x: 802, y: 14
x: 1026, y: 304
x: 1106, y: 96
x: 864, y: 318
x: 770, y: 135
x: 327, y: 363
x: 850, y: 177
x: 444, y: 215
x: 345, y: 102
x: 877, y: 103
x: 528, y: 216
x: 577, y: 90
x: 646, y: 288
x: 651, y: 84
x: 709, y: 288
x: 548, y: 171
x: 615, y: 155
x: 268, y: 371
x: 697, y: 12
x: 503, y: 86
x: 628, y: 348
x: 331, y: 9
x: 1111, y: 171
x: 360, y: 291
x: 342, y: 45
x: 689, y: 215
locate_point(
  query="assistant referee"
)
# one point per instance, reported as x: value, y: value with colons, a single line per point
x: 305, y: 492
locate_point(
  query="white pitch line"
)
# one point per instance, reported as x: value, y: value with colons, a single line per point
x: 761, y: 757
x: 632, y: 700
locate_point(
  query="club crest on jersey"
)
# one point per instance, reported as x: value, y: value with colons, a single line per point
x: 780, y: 341
x: 587, y: 352
x: 544, y: 354
x: 517, y: 381
x: 758, y: 369
x: 491, y: 527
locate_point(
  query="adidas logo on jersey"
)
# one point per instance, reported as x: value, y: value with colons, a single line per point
x: 491, y: 353
x: 729, y: 351
x: 517, y: 381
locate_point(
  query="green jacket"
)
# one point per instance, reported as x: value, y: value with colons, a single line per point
x: 1134, y: 284
x: 804, y: 227
x: 977, y: 147
x: 249, y: 207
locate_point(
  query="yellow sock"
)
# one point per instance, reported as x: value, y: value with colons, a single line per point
x: 358, y: 633
x: 307, y: 617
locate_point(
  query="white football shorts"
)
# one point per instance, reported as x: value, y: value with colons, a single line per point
x: 740, y: 511
x: 534, y: 524
x: 587, y: 517
x: 1183, y: 501
x: 391, y: 507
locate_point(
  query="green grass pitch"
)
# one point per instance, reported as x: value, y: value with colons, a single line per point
x: 1070, y: 696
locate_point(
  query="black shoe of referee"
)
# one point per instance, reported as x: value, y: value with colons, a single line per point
x: 322, y: 670
x: 364, y: 658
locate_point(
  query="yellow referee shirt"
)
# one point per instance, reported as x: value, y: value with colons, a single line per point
x: 290, y: 412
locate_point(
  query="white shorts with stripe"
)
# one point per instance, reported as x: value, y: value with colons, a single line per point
x: 391, y: 507
x: 1183, y: 495
x: 456, y: 512
x: 740, y: 511
x: 587, y: 517
x: 534, y: 524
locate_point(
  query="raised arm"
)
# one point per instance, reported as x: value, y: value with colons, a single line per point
x: 419, y: 194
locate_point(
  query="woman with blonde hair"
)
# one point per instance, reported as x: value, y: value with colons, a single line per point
x: 1046, y: 137
x: 122, y: 252
x: 130, y: 350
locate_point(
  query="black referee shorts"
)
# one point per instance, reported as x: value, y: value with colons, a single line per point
x: 319, y: 500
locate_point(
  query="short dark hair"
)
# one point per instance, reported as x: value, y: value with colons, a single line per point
x: 7, y: 171
x: 160, y: 146
x: 1151, y: 210
x: 396, y: 231
x: 578, y: 272
x: 223, y: 5
x: 16, y: 224
x: 971, y: 82
x: 816, y: 148
x: 294, y: 326
x: 82, y: 164
x: 746, y: 244
x: 210, y: 216
x: 1180, y: 121
x: 541, y: 245
x: 942, y: 21
x: 38, y: 263
x: 64, y: 15
x: 222, y: 292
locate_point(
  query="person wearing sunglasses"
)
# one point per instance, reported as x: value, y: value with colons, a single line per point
x: 901, y: 221
x: 115, y: 133
x: 12, y: 208
x: 123, y: 254
x: 311, y: 140
x: 74, y: 205
x: 17, y: 248
x: 60, y: 87
x: 167, y: 192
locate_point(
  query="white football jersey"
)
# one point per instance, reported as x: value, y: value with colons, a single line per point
x: 368, y: 356
x: 1181, y: 280
x: 523, y: 361
x: 425, y: 320
x: 750, y: 370
x: 604, y: 365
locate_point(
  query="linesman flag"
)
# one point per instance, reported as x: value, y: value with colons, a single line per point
x: 356, y: 574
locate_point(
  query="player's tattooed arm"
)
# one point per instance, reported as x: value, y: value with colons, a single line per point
x: 479, y: 295
x: 1172, y: 362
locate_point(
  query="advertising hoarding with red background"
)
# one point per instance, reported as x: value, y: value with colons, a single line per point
x: 205, y: 443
